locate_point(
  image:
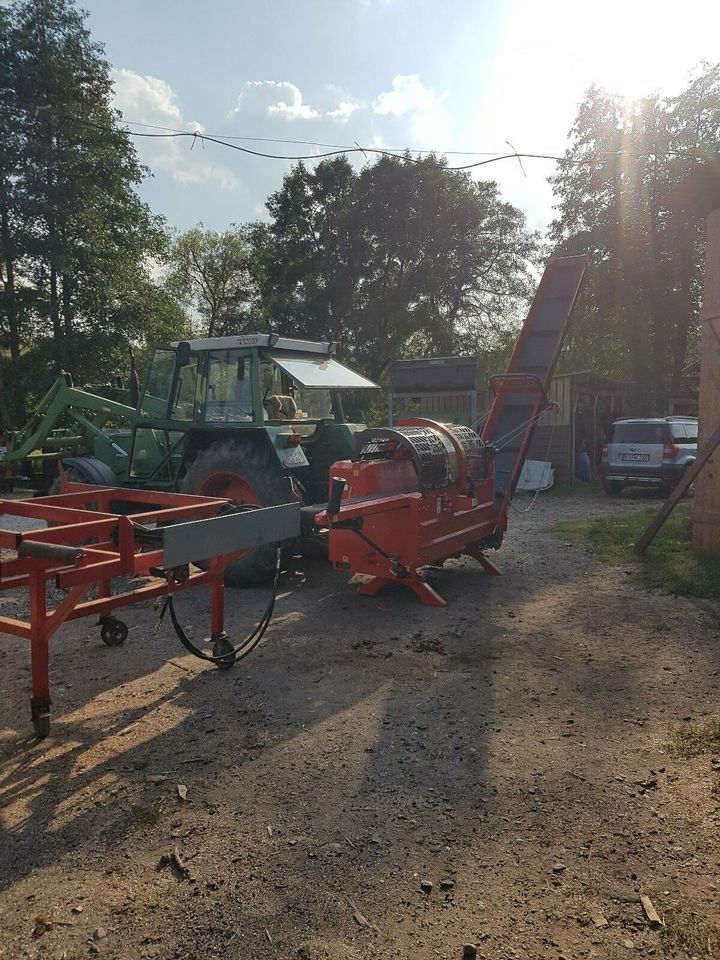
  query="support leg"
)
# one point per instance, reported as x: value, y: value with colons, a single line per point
x: 217, y: 605
x: 487, y: 565
x: 422, y: 590
x: 221, y: 644
x: 39, y: 656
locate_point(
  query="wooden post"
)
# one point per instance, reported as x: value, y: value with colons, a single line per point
x: 706, y: 506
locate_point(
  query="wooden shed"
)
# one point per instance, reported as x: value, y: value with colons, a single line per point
x: 447, y: 389
x: 586, y: 406
x: 450, y: 389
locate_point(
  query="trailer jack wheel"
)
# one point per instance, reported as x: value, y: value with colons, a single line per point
x: 40, y: 712
x: 113, y: 632
x: 221, y: 647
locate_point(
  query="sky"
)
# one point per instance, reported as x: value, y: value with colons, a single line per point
x: 450, y: 75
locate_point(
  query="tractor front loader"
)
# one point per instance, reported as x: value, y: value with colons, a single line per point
x: 87, y: 429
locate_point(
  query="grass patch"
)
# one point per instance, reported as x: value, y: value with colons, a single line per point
x: 686, y: 930
x: 696, y: 739
x: 669, y: 563
x: 138, y: 817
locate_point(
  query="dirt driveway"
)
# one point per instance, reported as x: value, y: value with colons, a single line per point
x: 509, y: 750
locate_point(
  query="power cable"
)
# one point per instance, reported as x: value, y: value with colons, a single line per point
x: 344, y: 150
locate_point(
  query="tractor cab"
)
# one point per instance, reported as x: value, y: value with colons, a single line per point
x: 282, y: 395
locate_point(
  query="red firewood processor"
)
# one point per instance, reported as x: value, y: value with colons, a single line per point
x: 421, y: 492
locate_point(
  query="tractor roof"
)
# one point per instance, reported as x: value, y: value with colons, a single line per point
x: 308, y: 362
x: 268, y: 341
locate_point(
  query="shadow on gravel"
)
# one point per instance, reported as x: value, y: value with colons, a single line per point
x: 368, y: 745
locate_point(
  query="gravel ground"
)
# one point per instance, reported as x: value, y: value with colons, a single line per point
x: 380, y: 779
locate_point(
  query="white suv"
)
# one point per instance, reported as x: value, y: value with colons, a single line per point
x: 648, y: 453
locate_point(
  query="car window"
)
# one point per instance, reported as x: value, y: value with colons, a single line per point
x: 640, y: 433
x: 684, y: 432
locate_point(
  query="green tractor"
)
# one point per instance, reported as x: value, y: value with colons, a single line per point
x: 257, y: 419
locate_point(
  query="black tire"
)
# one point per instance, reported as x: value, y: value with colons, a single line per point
x: 254, y: 463
x: 85, y: 470
x: 72, y: 474
x: 113, y: 632
x: 613, y: 488
x: 690, y: 492
x: 223, y: 648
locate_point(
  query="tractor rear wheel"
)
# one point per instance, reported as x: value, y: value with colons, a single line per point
x: 244, y: 472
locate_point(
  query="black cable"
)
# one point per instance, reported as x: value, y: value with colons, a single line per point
x: 342, y: 151
x: 241, y: 649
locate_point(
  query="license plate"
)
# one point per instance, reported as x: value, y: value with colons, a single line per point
x: 294, y: 457
x: 635, y: 457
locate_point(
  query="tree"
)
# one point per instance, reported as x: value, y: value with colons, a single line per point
x: 400, y: 259
x: 618, y: 187
x: 76, y: 239
x: 209, y: 273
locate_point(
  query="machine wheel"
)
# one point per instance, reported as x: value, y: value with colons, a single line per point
x: 72, y: 474
x: 241, y: 471
x: 221, y: 647
x: 113, y: 632
x: 613, y: 488
x: 85, y: 470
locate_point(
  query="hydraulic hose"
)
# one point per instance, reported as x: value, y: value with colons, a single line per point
x: 241, y: 649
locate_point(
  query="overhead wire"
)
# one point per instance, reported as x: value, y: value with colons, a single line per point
x: 340, y: 149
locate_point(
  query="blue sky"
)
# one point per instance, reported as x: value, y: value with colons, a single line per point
x: 467, y: 75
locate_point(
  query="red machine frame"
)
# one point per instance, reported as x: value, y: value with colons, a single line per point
x: 394, y: 510
x: 390, y: 537
x: 123, y: 547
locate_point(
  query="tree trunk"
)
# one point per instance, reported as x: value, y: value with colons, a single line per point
x: 67, y: 306
x: 8, y: 258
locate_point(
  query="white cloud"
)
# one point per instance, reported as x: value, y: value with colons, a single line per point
x: 282, y: 99
x: 344, y: 110
x: 429, y: 120
x: 273, y: 98
x: 150, y: 100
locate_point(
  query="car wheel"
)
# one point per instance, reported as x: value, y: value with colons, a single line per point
x: 613, y: 488
x: 690, y: 492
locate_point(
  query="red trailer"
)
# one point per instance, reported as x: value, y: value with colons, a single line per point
x: 79, y: 542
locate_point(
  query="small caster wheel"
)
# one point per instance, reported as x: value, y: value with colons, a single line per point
x: 221, y: 647
x: 113, y: 632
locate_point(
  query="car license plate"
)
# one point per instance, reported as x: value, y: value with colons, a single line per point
x: 635, y: 457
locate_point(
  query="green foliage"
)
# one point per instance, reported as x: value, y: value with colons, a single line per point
x: 76, y: 239
x: 401, y: 259
x: 669, y: 563
x: 209, y: 272
x: 621, y: 200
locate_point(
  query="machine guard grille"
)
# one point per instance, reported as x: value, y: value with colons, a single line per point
x: 425, y: 448
x: 476, y: 452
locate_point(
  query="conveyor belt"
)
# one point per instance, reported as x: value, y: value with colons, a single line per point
x: 519, y: 399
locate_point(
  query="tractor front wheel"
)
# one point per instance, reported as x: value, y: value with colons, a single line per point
x: 244, y: 472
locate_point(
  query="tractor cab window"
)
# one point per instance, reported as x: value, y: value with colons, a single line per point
x: 183, y: 407
x: 229, y: 387
x: 285, y: 399
x: 159, y: 382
